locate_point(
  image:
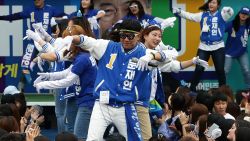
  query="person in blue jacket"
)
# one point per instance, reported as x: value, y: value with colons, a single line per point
x: 236, y: 45
x: 137, y: 12
x: 118, y: 82
x: 93, y: 15
x: 212, y: 23
x: 81, y: 74
x: 37, y: 13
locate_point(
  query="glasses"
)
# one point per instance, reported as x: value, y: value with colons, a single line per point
x: 133, y: 6
x: 130, y: 36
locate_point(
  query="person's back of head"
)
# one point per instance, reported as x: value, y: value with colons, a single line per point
x: 13, y: 137
x: 2, y: 132
x: 242, y: 134
x: 214, y: 118
x: 9, y: 123
x: 177, y: 102
x: 5, y: 110
x: 204, y: 98
x: 41, y: 138
x: 242, y: 123
x: 233, y: 109
x: 7, y: 98
x: 197, y: 110
x: 66, y: 136
x: 225, y: 89
x: 21, y: 103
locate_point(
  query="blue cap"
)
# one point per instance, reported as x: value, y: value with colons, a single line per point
x: 245, y: 10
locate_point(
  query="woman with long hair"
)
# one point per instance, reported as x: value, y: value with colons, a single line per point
x: 212, y: 23
x: 93, y: 15
x: 151, y: 37
x: 81, y: 74
x: 236, y: 45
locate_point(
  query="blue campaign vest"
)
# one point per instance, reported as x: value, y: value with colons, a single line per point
x: 216, y: 28
x: 85, y: 67
x: 42, y: 15
x: 236, y: 44
x: 117, y: 65
x: 144, y: 96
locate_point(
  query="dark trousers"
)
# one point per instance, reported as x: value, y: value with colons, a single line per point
x: 218, y: 57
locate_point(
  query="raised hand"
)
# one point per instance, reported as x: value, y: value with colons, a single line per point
x: 32, y: 35
x: 93, y: 22
x: 169, y: 22
x: 176, y: 10
x: 41, y: 31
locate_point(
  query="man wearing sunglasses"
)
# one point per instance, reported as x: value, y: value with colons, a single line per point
x: 118, y: 81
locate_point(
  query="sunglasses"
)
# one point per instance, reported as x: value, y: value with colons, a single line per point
x: 133, y: 6
x: 130, y: 36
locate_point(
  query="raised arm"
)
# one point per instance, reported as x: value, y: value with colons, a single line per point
x: 67, y: 81
x: 100, y: 14
x: 15, y: 16
x: 195, y: 17
x: 96, y: 47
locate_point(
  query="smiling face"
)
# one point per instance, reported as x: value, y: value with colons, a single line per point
x: 153, y: 39
x: 213, y: 6
x: 134, y: 8
x: 85, y: 3
x: 129, y: 39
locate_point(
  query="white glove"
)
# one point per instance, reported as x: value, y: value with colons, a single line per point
x: 32, y: 65
x: 227, y: 13
x: 176, y: 10
x: 228, y: 10
x: 200, y: 62
x: 67, y: 41
x: 93, y: 22
x: 32, y: 35
x: 38, y: 87
x: 169, y: 22
x: 142, y: 63
x: 61, y: 58
x: 40, y: 30
x: 38, y: 60
x: 42, y: 77
x: 40, y: 63
x: 205, y: 28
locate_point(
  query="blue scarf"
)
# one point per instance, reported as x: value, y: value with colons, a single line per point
x: 133, y: 126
